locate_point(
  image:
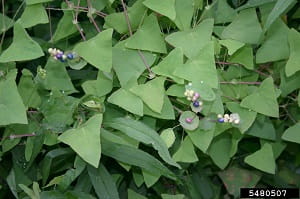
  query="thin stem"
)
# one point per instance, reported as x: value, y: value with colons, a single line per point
x: 19, y: 136
x: 91, y: 16
x: 178, y: 109
x: 151, y: 74
x: 50, y: 25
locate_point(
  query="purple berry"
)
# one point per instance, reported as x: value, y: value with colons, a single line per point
x: 59, y: 56
x: 196, y: 104
x: 196, y: 95
x: 189, y: 120
x: 221, y: 120
x: 70, y: 56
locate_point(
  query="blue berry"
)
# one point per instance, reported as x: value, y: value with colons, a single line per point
x: 196, y: 104
x: 70, y: 56
x: 221, y: 120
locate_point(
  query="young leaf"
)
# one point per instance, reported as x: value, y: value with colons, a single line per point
x: 85, y: 140
x: 148, y: 37
x: 168, y: 136
x: 23, y: 47
x: 292, y: 134
x: 98, y: 50
x: 139, y: 131
x: 263, y: 100
x: 166, y: 7
x: 263, y: 159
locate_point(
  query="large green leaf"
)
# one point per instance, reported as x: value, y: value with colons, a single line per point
x: 169, y: 64
x: 127, y: 101
x: 28, y: 19
x: 100, y: 87
x: 85, y: 140
x: 231, y: 45
x: 292, y: 134
x: 166, y: 7
x: 118, y: 22
x: 184, y: 13
x: 135, y: 157
x: 5, y: 23
x: 201, y: 138
x: 128, y: 64
x: 139, y: 131
x: 103, y: 183
x: 167, y: 111
x: 263, y: 100
x: 201, y: 68
x: 262, y: 128
x: 186, y: 152
x: 292, y: 65
x: 168, y: 136
x: 155, y: 101
x: 245, y: 28
x: 263, y: 159
x: 224, y: 13
x: 192, y: 41
x: 98, y: 50
x: 280, y: 7
x: 11, y: 105
x: 243, y: 56
x: 275, y: 47
x: 23, y: 47
x: 148, y: 37
x: 134, y: 195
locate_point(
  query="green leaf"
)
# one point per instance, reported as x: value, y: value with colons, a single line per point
x: 100, y: 87
x: 288, y: 84
x: 135, y: 157
x: 11, y: 105
x: 189, y: 125
x: 29, y: 192
x: 65, y: 26
x: 262, y: 128
x: 30, y: 2
x: 235, y: 178
x: 292, y: 134
x: 167, y: 111
x: 5, y: 23
x: 263, y: 100
x: 139, y: 131
x: 244, y: 28
x: 23, y: 47
x: 28, y: 19
x: 276, y: 36
x: 127, y: 101
x: 177, y: 196
x: 134, y: 195
x: 192, y: 41
x: 224, y: 13
x: 98, y: 50
x: 57, y: 77
x: 219, y: 150
x: 263, y: 159
x: 103, y: 183
x: 292, y: 65
x: 184, y: 13
x: 150, y: 178
x: 148, y: 37
x: 231, y: 45
x: 28, y: 90
x: 168, y: 136
x: 201, y: 138
x: 186, y: 152
x: 201, y: 68
x: 166, y: 8
x: 85, y: 140
x: 155, y: 101
x: 169, y: 64
x: 247, y: 116
x: 280, y: 7
x: 128, y: 64
x: 244, y: 56
x: 254, y: 3
x: 117, y: 21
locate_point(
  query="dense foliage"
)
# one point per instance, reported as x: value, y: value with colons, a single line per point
x: 139, y: 99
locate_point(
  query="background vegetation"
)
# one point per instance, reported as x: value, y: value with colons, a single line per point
x: 109, y: 118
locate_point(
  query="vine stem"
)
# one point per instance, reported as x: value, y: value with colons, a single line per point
x: 248, y: 83
x: 91, y: 16
x: 19, y: 136
x: 151, y: 74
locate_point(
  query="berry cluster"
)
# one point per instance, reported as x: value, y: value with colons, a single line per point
x: 193, y: 96
x: 60, y: 55
x: 232, y: 118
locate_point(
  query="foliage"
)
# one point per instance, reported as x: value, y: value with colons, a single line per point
x: 148, y: 99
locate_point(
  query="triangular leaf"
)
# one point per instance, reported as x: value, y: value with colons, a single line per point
x: 99, y: 87
x: 148, y: 37
x: 98, y: 50
x: 186, y: 152
x: 293, y: 64
x: 184, y: 13
x: 201, y: 138
x: 85, y: 140
x: 167, y: 111
x: 231, y: 45
x: 292, y: 134
x: 39, y: 17
x: 243, y: 56
x: 263, y: 100
x: 166, y: 7
x: 23, y: 47
x: 263, y: 159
